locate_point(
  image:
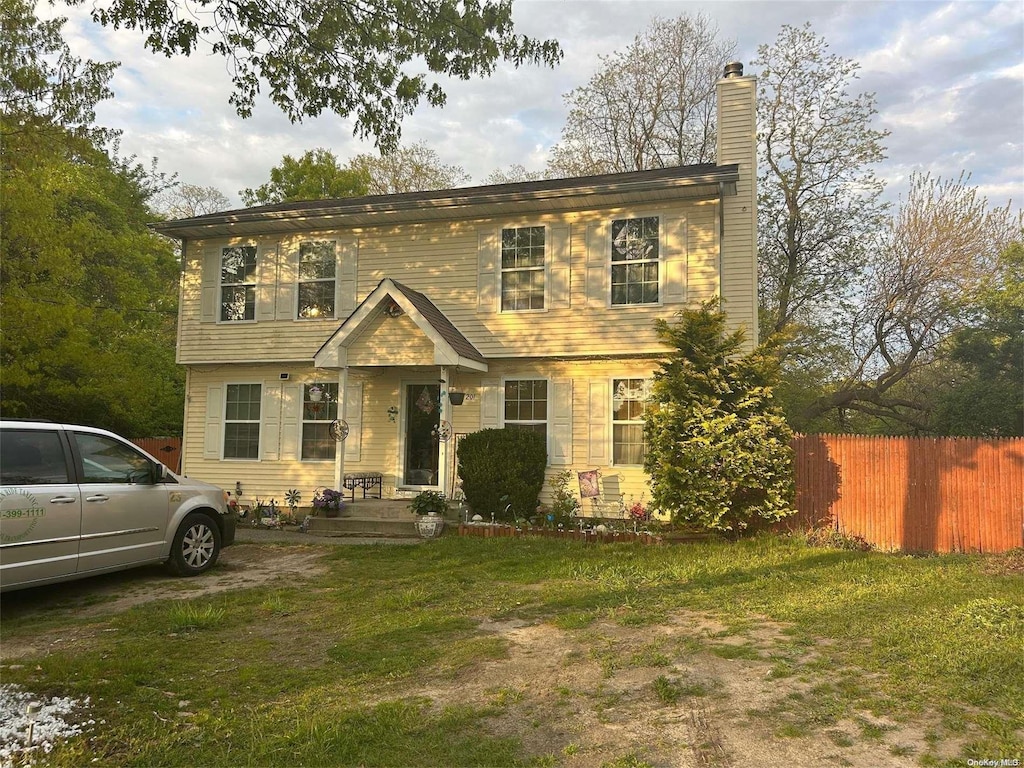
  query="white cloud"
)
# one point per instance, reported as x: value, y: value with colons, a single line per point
x: 949, y: 78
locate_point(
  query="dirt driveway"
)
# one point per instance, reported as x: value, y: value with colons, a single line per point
x: 556, y: 687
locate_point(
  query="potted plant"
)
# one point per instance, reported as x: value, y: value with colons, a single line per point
x: 328, y: 501
x: 430, y: 506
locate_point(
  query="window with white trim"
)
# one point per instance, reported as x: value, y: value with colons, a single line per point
x: 628, y: 399
x: 238, y: 283
x: 242, y: 421
x: 522, y: 268
x: 635, y: 255
x: 317, y: 265
x: 526, y: 405
x: 319, y: 409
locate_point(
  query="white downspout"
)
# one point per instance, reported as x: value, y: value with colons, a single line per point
x: 339, y: 455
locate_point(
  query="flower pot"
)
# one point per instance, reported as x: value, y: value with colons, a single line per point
x: 456, y: 398
x: 332, y: 513
x: 430, y: 526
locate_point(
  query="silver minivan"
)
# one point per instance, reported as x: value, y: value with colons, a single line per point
x: 78, y: 501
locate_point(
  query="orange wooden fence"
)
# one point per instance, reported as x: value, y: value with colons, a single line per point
x: 167, y: 449
x: 912, y: 493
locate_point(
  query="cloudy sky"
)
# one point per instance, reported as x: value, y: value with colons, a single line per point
x: 949, y: 79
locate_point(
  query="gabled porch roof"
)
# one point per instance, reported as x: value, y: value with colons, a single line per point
x: 450, y: 346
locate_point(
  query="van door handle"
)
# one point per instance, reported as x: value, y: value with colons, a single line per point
x: 63, y: 500
x: 98, y: 497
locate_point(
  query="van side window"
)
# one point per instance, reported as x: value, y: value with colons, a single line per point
x: 31, y: 457
x: 108, y: 461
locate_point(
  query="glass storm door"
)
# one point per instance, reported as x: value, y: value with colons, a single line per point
x: 423, y: 414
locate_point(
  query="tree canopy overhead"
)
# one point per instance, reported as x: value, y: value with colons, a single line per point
x: 314, y: 176
x: 359, y: 58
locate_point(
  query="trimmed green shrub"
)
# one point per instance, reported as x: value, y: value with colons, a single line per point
x: 718, y: 447
x: 495, y: 463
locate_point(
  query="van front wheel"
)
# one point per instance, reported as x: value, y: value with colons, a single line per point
x: 196, y: 545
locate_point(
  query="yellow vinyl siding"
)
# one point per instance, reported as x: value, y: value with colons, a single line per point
x: 442, y: 261
x: 391, y: 341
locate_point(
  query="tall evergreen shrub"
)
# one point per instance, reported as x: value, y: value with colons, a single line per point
x: 718, y: 447
x: 502, y: 462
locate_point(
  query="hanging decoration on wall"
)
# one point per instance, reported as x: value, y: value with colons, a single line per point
x: 391, y: 308
x: 442, y: 432
x: 339, y: 429
x: 425, y: 402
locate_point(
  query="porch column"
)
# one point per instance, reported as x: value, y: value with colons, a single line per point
x: 339, y: 454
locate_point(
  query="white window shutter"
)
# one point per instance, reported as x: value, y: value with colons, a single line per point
x: 561, y: 422
x: 600, y: 405
x: 674, y: 261
x: 287, y: 277
x: 266, y: 277
x: 270, y: 430
x: 209, y: 298
x: 489, y: 404
x: 354, y: 417
x: 558, y: 255
x: 291, y: 408
x: 213, y: 441
x: 598, y: 277
x: 488, y: 254
x: 346, y: 272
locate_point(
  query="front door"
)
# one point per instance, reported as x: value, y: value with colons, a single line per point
x: 421, y: 463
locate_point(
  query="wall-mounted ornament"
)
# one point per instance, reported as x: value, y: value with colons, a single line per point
x: 391, y: 308
x: 392, y: 413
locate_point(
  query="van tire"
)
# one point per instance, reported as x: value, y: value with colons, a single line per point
x: 196, y: 545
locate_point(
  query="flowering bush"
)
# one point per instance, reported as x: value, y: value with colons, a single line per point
x: 325, y: 499
x: 639, y: 513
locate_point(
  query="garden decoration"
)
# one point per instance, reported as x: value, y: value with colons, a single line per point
x: 329, y: 501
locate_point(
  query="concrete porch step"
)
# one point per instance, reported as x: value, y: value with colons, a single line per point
x: 362, y: 526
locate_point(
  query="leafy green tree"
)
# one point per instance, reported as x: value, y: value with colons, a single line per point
x: 374, y: 60
x: 314, y: 176
x: 89, y: 292
x: 414, y: 168
x: 986, y: 396
x: 718, y: 447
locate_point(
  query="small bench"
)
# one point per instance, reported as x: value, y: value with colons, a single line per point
x: 363, y: 480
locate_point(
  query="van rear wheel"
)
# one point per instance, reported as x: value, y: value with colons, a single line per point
x: 196, y: 545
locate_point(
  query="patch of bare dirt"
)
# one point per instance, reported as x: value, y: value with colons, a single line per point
x: 591, y: 698
x: 240, y: 566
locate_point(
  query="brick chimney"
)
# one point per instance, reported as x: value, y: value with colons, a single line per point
x: 737, y: 143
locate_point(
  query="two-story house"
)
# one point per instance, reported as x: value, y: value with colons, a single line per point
x: 305, y: 322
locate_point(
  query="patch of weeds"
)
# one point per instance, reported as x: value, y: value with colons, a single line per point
x: 840, y: 738
x: 274, y: 603
x: 574, y: 620
x: 901, y: 750
x: 503, y: 697
x: 544, y: 761
x: 791, y: 731
x: 571, y: 749
x: 649, y: 656
x: 781, y: 669
x: 872, y: 731
x: 186, y: 616
x: 745, y: 651
x: 667, y: 691
x: 632, y: 760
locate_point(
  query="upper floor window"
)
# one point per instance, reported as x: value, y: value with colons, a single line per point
x: 628, y: 398
x: 526, y: 405
x: 317, y: 265
x: 635, y: 254
x: 238, y: 283
x: 522, y: 268
x: 242, y: 421
x: 319, y: 409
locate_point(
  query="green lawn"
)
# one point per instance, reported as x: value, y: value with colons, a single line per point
x: 402, y: 656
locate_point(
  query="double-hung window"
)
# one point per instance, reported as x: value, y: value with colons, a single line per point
x: 526, y: 405
x: 628, y: 398
x: 238, y: 283
x: 522, y: 268
x: 635, y: 254
x: 242, y: 421
x: 319, y: 409
x: 316, y: 278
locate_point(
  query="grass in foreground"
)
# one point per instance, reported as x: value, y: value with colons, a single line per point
x: 324, y: 673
